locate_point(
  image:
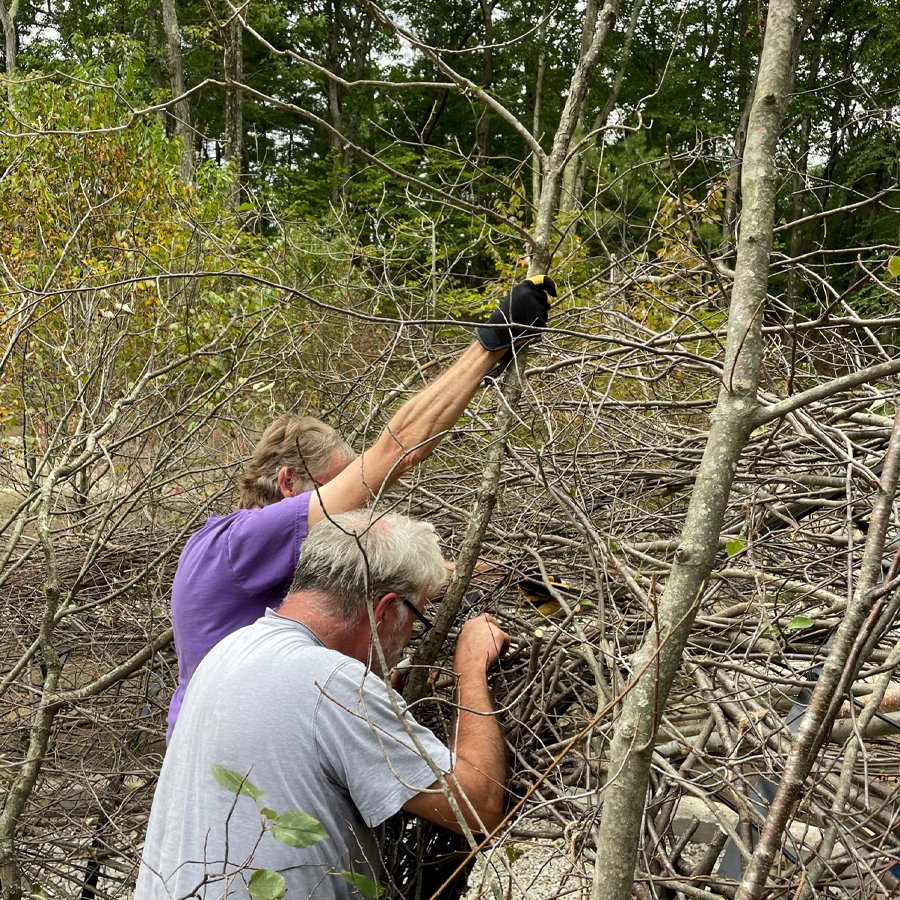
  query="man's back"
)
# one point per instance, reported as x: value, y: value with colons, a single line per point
x: 229, y: 572
x: 272, y: 704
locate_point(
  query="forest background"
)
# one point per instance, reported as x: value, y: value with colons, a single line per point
x: 212, y: 213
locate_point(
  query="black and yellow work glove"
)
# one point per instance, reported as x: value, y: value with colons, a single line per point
x: 520, y: 317
x: 539, y: 594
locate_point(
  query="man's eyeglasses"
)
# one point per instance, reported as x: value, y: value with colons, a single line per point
x: 424, y: 623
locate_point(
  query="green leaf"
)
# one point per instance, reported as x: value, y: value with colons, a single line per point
x: 235, y: 782
x: 297, y: 829
x: 798, y: 623
x: 368, y: 887
x: 894, y: 266
x: 513, y: 853
x: 735, y: 546
x: 270, y: 814
x: 265, y: 884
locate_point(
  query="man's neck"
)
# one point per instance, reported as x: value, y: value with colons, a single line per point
x: 306, y: 607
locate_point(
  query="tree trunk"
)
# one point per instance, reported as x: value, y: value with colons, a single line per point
x: 233, y: 33
x: 567, y: 199
x: 580, y: 161
x: 659, y: 659
x: 733, y: 185
x: 537, y: 115
x: 8, y: 19
x: 801, y: 168
x: 181, y: 111
x: 335, y: 112
x: 11, y: 41
x: 359, y: 35
x: 539, y: 263
x: 482, y: 126
x: 551, y: 182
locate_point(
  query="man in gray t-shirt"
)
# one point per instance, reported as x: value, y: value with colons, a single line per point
x: 293, y: 705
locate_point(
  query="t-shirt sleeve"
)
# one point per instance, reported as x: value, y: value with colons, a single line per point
x: 364, y: 747
x: 264, y: 544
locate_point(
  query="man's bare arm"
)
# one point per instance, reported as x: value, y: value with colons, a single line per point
x: 479, y: 776
x: 410, y: 436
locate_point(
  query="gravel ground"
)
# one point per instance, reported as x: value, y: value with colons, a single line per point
x: 532, y: 870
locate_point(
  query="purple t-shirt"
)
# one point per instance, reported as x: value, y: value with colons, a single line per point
x: 229, y: 573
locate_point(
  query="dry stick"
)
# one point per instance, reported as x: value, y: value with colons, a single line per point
x: 747, y: 710
x: 839, y: 669
x: 817, y: 866
x: 471, y: 545
x: 730, y: 427
x: 602, y: 688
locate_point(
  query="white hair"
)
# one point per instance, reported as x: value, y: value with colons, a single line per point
x: 354, y: 557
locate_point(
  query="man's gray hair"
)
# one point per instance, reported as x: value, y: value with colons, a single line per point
x: 356, y: 556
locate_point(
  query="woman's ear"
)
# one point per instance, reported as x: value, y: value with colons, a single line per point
x: 286, y: 478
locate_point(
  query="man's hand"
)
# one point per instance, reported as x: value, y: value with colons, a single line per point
x: 486, y: 572
x: 520, y: 315
x: 482, y: 642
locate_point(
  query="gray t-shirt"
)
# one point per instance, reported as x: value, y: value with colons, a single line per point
x: 309, y: 727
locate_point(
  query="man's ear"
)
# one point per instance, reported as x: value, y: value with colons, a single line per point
x: 286, y: 478
x: 383, y: 604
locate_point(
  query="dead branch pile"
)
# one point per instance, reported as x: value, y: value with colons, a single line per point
x: 593, y: 493
x: 594, y: 496
x: 81, y: 832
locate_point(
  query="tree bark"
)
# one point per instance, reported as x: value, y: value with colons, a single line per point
x: 731, y: 423
x: 733, y: 184
x: 482, y: 126
x: 602, y: 117
x: 567, y: 200
x: 8, y: 19
x: 10, y: 38
x: 335, y: 112
x: 233, y: 34
x: 538, y: 110
x: 551, y: 181
x: 799, y: 177
x: 181, y: 111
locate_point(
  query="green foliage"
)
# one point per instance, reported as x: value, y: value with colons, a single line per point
x: 513, y: 852
x: 690, y: 74
x: 294, y: 828
x: 800, y: 623
x: 235, y: 782
x: 264, y: 884
x: 735, y: 546
x: 366, y: 886
x: 297, y: 829
x: 101, y: 241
